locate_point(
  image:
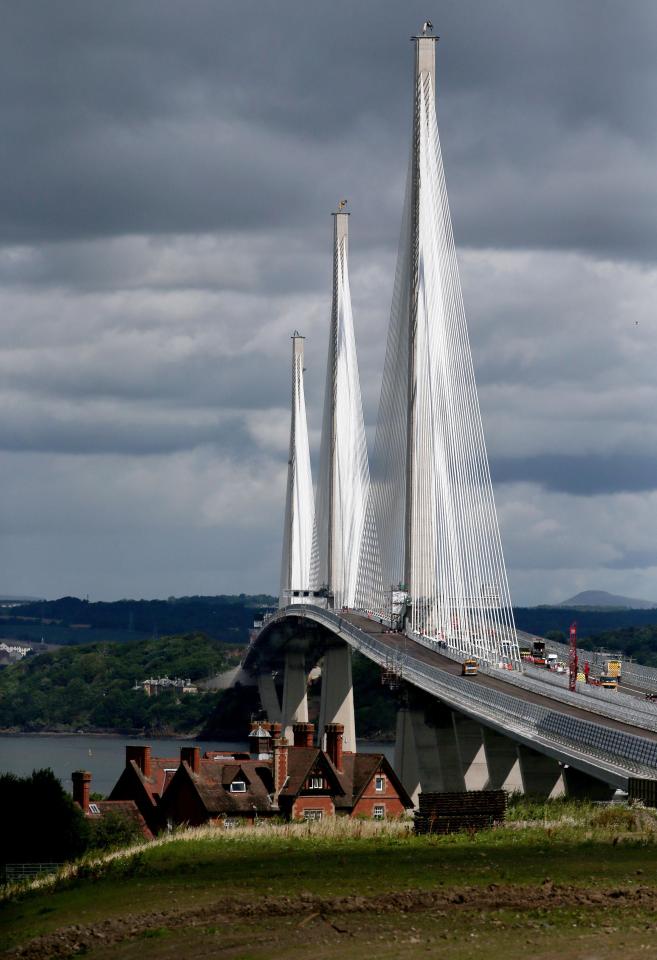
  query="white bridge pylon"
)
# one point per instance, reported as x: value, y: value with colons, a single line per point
x: 343, y: 481
x: 432, y: 528
x: 298, y: 526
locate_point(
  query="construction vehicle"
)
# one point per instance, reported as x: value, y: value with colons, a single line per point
x: 608, y: 683
x: 613, y: 668
x: 469, y: 667
x: 538, y: 653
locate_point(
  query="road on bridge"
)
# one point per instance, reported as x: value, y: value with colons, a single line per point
x: 399, y: 643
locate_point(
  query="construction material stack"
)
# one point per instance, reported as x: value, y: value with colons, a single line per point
x: 455, y: 812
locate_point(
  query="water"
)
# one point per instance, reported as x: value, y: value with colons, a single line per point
x: 104, y: 756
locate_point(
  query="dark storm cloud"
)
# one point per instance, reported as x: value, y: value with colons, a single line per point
x: 167, y: 172
x: 140, y: 117
x: 581, y: 475
x: 79, y: 431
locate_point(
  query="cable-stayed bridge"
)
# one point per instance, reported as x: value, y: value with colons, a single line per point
x: 402, y: 559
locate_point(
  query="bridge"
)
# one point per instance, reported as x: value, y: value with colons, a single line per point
x: 401, y: 558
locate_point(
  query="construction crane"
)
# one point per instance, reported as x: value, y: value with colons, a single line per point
x: 572, y: 658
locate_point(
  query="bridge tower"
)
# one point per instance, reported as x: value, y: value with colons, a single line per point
x: 299, y: 501
x: 343, y: 481
x: 433, y: 514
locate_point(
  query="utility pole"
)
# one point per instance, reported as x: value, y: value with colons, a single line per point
x: 425, y: 65
x: 572, y: 658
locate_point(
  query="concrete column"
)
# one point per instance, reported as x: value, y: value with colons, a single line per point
x: 405, y: 763
x: 426, y: 752
x: 295, y: 692
x: 440, y: 719
x: 269, y: 696
x: 337, y: 703
x: 470, y: 745
x: 584, y: 786
x: 541, y: 775
x: 502, y: 761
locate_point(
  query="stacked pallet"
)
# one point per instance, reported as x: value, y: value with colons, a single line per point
x: 452, y: 812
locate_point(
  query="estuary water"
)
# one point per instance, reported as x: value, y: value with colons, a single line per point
x: 104, y: 756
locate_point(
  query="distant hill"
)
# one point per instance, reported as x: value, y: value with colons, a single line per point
x: 601, y: 598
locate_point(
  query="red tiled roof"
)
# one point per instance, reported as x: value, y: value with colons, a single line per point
x: 301, y: 761
x: 162, y: 770
x: 212, y: 785
x: 124, y: 808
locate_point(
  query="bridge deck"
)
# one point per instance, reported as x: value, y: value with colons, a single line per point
x: 399, y: 643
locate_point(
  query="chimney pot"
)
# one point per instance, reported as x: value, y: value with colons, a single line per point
x: 82, y: 788
x: 142, y: 757
x: 280, y: 748
x: 334, y: 749
x: 192, y: 757
x: 303, y: 734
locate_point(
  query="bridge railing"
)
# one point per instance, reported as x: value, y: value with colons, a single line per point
x: 605, y: 744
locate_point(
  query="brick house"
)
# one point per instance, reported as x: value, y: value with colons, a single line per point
x: 144, y: 780
x: 96, y: 809
x: 297, y: 781
x: 325, y: 782
x: 218, y: 788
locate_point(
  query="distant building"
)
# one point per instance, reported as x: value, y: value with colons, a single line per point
x: 14, y: 651
x: 154, y: 685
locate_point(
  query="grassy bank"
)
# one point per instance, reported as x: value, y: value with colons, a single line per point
x: 559, y: 876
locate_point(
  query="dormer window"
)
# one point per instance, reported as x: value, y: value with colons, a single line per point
x: 238, y: 786
x: 316, y: 783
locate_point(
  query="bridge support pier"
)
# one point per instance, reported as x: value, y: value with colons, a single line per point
x: 295, y: 692
x: 427, y: 755
x: 584, y: 786
x: 541, y: 775
x: 337, y: 702
x: 405, y: 762
x: 471, y: 751
x: 502, y: 761
x: 269, y: 696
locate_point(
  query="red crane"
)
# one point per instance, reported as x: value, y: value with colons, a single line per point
x: 572, y: 659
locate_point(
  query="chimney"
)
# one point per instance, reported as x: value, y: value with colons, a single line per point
x: 303, y: 734
x: 334, y: 735
x: 279, y: 746
x: 81, y: 789
x: 276, y: 730
x: 141, y: 756
x: 192, y: 757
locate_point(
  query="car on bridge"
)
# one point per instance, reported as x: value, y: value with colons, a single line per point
x: 470, y: 667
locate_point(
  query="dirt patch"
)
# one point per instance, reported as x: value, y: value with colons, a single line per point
x: 80, y: 938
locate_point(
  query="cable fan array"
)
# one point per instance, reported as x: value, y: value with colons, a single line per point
x: 424, y: 525
x: 456, y: 575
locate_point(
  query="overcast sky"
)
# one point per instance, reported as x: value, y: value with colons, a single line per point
x: 167, y: 173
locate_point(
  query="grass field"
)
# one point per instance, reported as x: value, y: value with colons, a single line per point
x: 560, y: 879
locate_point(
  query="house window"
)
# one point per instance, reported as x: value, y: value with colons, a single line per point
x: 315, y: 783
x: 238, y: 786
x: 313, y: 814
x: 93, y: 808
x: 379, y: 812
x: 380, y: 784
